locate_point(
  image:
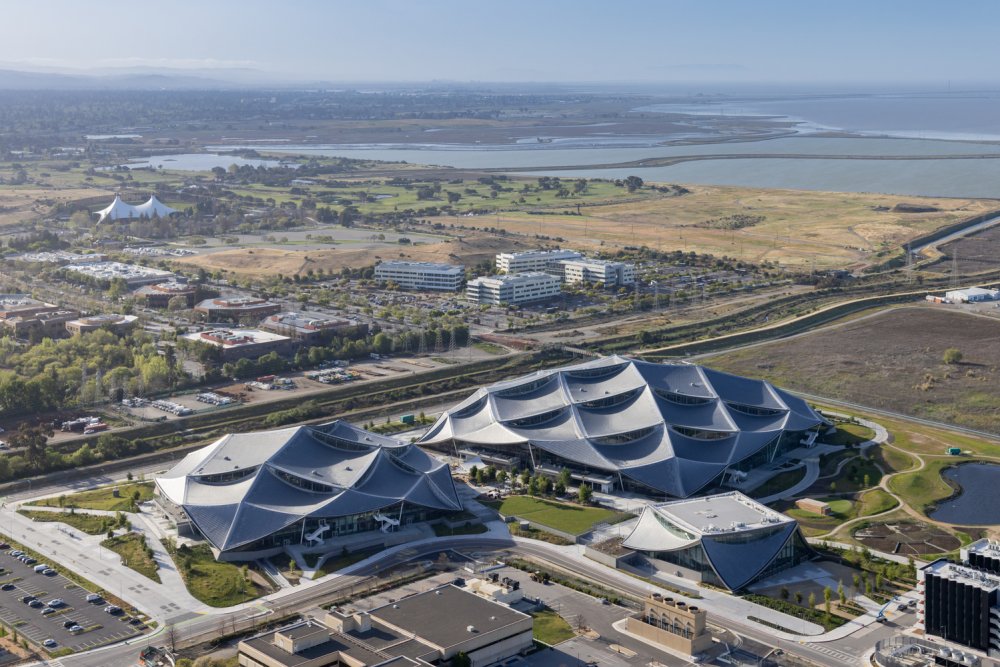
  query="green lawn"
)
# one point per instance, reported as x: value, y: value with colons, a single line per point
x: 102, y: 498
x: 550, y: 627
x: 923, y: 488
x: 780, y: 482
x: 135, y: 554
x: 88, y: 523
x: 214, y: 583
x: 573, y: 519
x: 849, y: 434
x: 442, y: 530
x: 875, y: 501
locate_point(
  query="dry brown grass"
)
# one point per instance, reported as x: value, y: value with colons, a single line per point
x: 801, y: 228
x: 19, y: 204
x: 272, y: 261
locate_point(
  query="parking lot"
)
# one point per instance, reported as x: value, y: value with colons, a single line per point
x: 20, y: 579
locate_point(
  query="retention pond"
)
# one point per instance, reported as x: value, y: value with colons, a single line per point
x: 977, y: 502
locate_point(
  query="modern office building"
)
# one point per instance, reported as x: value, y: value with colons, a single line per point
x: 726, y: 540
x: 22, y: 305
x: 961, y: 602
x: 236, y: 344
x: 234, y: 309
x: 311, y: 329
x: 513, y: 290
x: 250, y: 494
x: 532, y: 260
x: 618, y: 423
x: 597, y: 271
x: 421, y: 275
x: 119, y: 324
x: 428, y: 628
x: 134, y: 275
x: 46, y: 324
x: 159, y: 295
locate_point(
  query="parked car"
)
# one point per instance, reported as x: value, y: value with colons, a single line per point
x: 57, y: 602
x: 36, y: 604
x: 113, y: 609
x: 76, y: 629
x: 94, y: 598
x: 48, y: 572
x: 28, y: 598
x: 47, y: 611
x: 7, y: 587
x: 49, y: 643
x: 68, y: 624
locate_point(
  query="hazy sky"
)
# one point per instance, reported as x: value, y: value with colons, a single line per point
x: 518, y: 40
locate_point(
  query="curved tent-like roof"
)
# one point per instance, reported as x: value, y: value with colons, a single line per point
x: 739, y: 537
x: 118, y: 209
x: 154, y: 207
x: 246, y: 486
x: 671, y: 427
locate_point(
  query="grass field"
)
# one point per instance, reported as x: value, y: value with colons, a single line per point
x: 849, y: 434
x: 87, y: 523
x: 132, y: 548
x: 780, y: 482
x: 214, y: 583
x: 102, y: 498
x: 842, y: 509
x: 550, y: 627
x: 921, y: 489
x: 799, y: 228
x: 890, y: 360
x: 573, y: 519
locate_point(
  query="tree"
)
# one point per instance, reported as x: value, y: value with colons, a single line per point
x: 565, y: 477
x: 812, y: 600
x: 833, y: 487
x: 474, y: 473
x: 827, y: 595
x: 868, y: 480
x: 461, y: 660
x: 840, y: 592
x: 633, y: 183
x: 784, y: 593
x: 798, y: 598
x: 584, y: 494
x: 952, y: 355
x: 856, y: 580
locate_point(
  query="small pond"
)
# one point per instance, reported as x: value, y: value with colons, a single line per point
x: 978, y: 503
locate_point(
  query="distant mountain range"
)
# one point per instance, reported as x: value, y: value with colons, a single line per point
x: 143, y: 78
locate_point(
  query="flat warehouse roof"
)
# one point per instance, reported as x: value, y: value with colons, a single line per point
x: 441, y: 616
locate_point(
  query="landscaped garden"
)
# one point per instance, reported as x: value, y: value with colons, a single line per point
x: 566, y: 517
x: 103, y: 498
x: 135, y: 554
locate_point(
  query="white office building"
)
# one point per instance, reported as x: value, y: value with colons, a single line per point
x: 421, y: 275
x: 606, y: 272
x: 514, y: 289
x: 532, y: 260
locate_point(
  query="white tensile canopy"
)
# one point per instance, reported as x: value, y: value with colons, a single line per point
x: 154, y: 207
x: 118, y: 209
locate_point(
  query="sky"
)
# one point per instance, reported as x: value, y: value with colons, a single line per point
x: 652, y: 41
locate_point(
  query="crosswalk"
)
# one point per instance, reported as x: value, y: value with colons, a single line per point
x: 844, y: 658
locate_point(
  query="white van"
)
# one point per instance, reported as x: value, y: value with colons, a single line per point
x: 41, y: 568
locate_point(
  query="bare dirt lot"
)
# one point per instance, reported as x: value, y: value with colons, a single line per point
x: 907, y: 538
x: 976, y: 253
x: 892, y: 360
x: 272, y: 261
